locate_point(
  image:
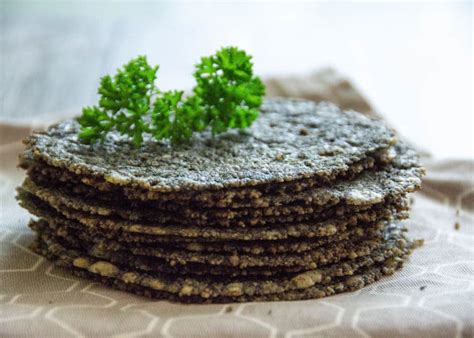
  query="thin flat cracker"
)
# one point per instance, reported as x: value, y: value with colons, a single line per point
x: 210, y: 289
x: 403, y: 174
x: 311, y: 259
x: 292, y: 230
x: 272, y: 150
x: 57, y: 198
x: 113, y: 242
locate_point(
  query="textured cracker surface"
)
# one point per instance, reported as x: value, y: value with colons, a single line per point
x: 274, y: 149
x: 108, y: 241
x: 359, y: 253
x: 331, y: 253
x: 369, y: 188
x: 292, y: 230
x: 301, y: 205
x: 385, y: 262
x: 403, y: 174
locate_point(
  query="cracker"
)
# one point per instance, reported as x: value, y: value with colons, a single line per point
x: 334, y: 252
x: 368, y: 189
x: 57, y: 198
x: 114, y: 242
x: 290, y: 230
x: 154, y: 264
x: 272, y: 150
x: 405, y: 169
x: 204, y: 289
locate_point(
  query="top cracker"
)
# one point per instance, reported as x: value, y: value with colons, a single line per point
x: 292, y: 139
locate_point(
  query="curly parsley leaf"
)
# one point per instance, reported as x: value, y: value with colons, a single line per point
x: 226, y: 95
x: 230, y: 94
x: 125, y: 101
x: 176, y: 118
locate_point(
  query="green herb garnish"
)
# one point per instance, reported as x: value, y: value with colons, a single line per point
x: 229, y: 92
x: 176, y: 119
x: 226, y: 95
x: 124, y: 102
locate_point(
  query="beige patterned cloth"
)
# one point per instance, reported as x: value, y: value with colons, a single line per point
x: 433, y: 296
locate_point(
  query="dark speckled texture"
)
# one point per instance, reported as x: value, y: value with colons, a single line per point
x: 304, y: 229
x: 302, y: 205
x: 291, y: 140
x: 352, y: 275
x: 369, y: 188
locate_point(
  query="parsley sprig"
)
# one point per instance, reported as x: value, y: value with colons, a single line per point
x: 125, y: 101
x: 227, y: 95
x: 229, y: 92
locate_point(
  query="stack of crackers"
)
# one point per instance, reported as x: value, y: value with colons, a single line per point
x: 304, y: 204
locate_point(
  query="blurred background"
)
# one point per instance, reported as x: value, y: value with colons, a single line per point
x: 413, y: 61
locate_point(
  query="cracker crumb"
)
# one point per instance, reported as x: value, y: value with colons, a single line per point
x: 306, y: 279
x: 418, y: 242
x: 129, y: 277
x: 81, y: 262
x: 280, y: 157
x: 355, y: 281
x: 206, y: 293
x: 234, y: 290
x: 304, y: 132
x: 186, y: 290
x: 103, y: 268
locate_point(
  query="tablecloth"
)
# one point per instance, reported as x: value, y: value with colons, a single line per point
x: 432, y: 296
